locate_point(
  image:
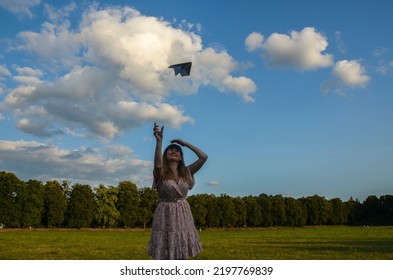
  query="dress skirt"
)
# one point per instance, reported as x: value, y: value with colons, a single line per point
x: 174, y: 236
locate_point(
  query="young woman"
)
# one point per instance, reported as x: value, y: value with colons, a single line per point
x: 173, y: 231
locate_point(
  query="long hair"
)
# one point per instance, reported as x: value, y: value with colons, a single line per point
x: 166, y: 172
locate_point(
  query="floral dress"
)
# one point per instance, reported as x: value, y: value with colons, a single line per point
x: 173, y: 235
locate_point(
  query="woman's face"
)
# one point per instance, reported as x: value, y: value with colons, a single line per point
x: 174, y: 154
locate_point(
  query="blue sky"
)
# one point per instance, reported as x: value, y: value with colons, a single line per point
x: 286, y: 97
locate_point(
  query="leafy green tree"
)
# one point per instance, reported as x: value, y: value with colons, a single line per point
x: 106, y: 214
x: 327, y: 211
x: 241, y: 212
x: 9, y: 210
x: 254, y: 216
x: 355, y: 212
x: 227, y: 211
x: 339, y: 213
x: 128, y: 204
x: 81, y: 207
x: 266, y: 210
x: 278, y: 210
x: 31, y: 202
x: 55, y: 204
x: 317, y: 210
x: 149, y: 201
x: 198, y: 205
x: 295, y: 212
x: 213, y: 211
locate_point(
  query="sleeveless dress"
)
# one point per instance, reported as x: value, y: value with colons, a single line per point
x: 173, y: 236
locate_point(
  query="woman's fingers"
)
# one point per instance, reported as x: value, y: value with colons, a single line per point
x: 156, y: 131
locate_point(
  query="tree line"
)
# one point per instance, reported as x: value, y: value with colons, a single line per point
x: 53, y: 204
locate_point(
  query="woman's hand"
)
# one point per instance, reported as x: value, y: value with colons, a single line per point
x: 159, y: 134
x: 179, y: 141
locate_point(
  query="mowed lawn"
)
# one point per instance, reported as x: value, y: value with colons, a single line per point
x: 308, y: 243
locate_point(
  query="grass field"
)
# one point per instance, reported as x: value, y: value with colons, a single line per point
x: 308, y: 243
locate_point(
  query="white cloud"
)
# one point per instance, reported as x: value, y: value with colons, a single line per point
x: 348, y: 74
x: 27, y: 80
x: 351, y: 73
x: 56, y: 14
x: 28, y: 71
x: 115, y: 73
x: 300, y: 50
x: 20, y: 7
x: 28, y: 76
x: 86, y: 100
x: 162, y: 112
x: 37, y: 126
x: 4, y: 71
x: 304, y: 51
x: 254, y: 41
x: 215, y: 69
x: 19, y: 96
x: 213, y: 183
x: 43, y: 161
x: 55, y: 45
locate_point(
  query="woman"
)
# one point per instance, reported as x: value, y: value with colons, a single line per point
x: 173, y: 232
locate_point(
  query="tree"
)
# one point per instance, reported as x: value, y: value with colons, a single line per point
x: 106, y: 214
x: 228, y: 213
x: 354, y: 210
x: 198, y: 205
x: 55, y: 204
x: 339, y: 213
x: 31, y: 202
x: 278, y: 210
x: 213, y: 211
x: 149, y: 201
x: 317, y: 210
x: 241, y: 212
x: 128, y: 204
x: 371, y: 210
x: 254, y: 217
x: 386, y: 202
x: 9, y: 210
x: 266, y: 210
x: 295, y: 212
x: 81, y: 207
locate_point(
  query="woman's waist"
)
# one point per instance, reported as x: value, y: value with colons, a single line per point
x: 167, y: 199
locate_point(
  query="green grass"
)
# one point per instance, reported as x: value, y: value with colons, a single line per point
x: 308, y: 243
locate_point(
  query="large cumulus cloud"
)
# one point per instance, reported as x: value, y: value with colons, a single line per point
x: 109, y: 73
x: 300, y: 49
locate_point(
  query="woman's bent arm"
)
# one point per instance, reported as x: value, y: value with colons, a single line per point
x: 202, y: 156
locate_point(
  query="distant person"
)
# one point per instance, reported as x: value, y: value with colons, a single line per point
x: 174, y: 235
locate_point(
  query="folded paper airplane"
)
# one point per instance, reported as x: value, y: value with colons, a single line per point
x: 183, y: 69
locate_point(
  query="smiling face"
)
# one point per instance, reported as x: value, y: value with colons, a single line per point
x: 174, y: 153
